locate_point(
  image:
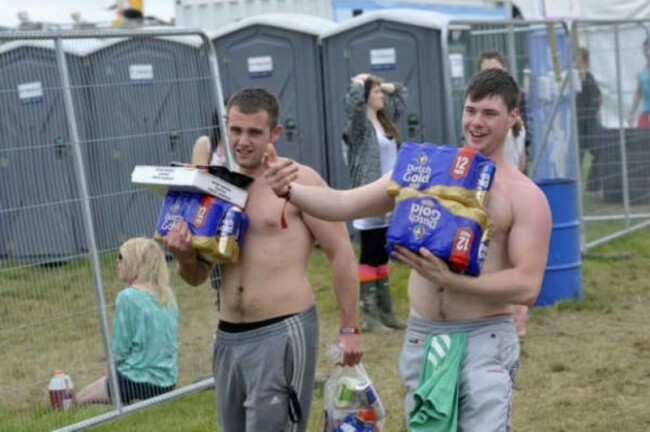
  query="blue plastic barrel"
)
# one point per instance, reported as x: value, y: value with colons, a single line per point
x: 563, y: 275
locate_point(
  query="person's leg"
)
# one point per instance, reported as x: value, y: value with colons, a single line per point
x: 281, y: 367
x: 94, y: 392
x: 368, y: 282
x: 229, y: 386
x: 133, y: 391
x: 386, y: 314
x: 487, y: 378
x: 410, y: 360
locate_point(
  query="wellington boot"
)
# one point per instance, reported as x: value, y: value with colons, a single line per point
x: 371, y: 321
x: 385, y: 305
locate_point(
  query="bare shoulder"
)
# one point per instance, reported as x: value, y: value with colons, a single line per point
x: 520, y: 192
x: 528, y: 196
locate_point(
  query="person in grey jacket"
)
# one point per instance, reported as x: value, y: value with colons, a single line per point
x: 371, y: 140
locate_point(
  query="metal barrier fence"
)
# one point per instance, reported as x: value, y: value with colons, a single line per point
x: 616, y: 152
x: 78, y: 111
x: 575, y: 111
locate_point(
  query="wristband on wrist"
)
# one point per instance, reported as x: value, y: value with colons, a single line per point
x: 350, y: 330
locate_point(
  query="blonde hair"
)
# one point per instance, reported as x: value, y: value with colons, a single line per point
x: 145, y: 264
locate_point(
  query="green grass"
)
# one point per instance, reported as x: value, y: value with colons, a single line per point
x: 585, y: 366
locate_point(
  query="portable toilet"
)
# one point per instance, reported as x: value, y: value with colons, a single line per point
x: 397, y: 45
x: 148, y: 108
x: 280, y: 53
x: 40, y: 215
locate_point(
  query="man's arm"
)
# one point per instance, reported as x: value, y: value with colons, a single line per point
x: 201, y: 151
x: 527, y: 244
x: 322, y: 201
x: 190, y: 267
x: 334, y: 240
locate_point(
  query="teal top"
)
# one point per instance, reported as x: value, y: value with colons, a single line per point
x: 145, y: 338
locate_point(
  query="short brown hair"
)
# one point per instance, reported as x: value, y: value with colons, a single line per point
x: 251, y: 100
x: 494, y: 82
x: 491, y: 55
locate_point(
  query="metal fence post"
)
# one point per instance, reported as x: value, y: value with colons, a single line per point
x: 82, y: 186
x: 621, y: 128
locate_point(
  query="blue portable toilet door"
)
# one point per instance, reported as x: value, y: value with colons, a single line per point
x: 138, y: 112
x: 392, y: 55
x: 37, y: 180
x: 264, y: 57
x: 383, y: 49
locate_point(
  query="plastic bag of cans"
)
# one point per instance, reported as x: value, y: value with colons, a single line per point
x: 218, y: 227
x: 351, y: 401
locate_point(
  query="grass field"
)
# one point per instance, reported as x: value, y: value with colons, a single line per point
x: 585, y: 366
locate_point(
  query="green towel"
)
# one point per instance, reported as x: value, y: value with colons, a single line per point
x: 436, y: 398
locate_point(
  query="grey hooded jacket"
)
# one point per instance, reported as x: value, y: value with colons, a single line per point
x: 360, y: 147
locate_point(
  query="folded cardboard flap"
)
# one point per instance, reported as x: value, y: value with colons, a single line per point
x: 162, y: 179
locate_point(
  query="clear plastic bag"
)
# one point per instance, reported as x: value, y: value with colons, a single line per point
x: 351, y: 401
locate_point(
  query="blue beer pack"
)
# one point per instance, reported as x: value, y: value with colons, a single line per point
x: 441, y: 195
x: 462, y: 174
x: 218, y: 227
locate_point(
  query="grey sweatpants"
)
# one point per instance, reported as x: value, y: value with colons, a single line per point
x: 255, y: 370
x: 487, y: 373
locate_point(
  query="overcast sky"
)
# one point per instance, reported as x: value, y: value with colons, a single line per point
x: 58, y: 11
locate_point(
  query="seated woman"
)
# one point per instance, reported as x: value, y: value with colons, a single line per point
x: 145, y: 328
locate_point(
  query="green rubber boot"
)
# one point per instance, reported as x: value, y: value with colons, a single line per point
x: 369, y: 309
x: 385, y: 305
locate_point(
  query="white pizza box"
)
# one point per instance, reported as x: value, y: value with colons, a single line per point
x: 161, y: 179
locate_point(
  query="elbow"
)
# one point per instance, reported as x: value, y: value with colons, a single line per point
x: 529, y: 296
x: 530, y: 299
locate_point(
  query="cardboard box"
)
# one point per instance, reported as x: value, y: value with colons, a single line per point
x: 161, y: 179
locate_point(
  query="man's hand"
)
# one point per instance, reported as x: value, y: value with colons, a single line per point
x: 425, y: 263
x: 279, y: 174
x: 352, y: 347
x: 179, y: 241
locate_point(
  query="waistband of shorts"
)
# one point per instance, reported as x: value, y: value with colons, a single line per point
x: 260, y: 334
x: 426, y: 326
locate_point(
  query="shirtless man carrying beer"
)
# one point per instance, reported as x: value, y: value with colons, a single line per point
x: 267, y: 340
x: 441, y: 301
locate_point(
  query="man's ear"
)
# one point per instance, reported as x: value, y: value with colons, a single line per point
x: 275, y: 133
x: 513, y: 116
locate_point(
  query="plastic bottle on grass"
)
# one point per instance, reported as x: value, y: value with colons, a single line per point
x: 61, y: 390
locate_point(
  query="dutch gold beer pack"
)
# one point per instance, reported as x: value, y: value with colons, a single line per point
x: 441, y: 195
